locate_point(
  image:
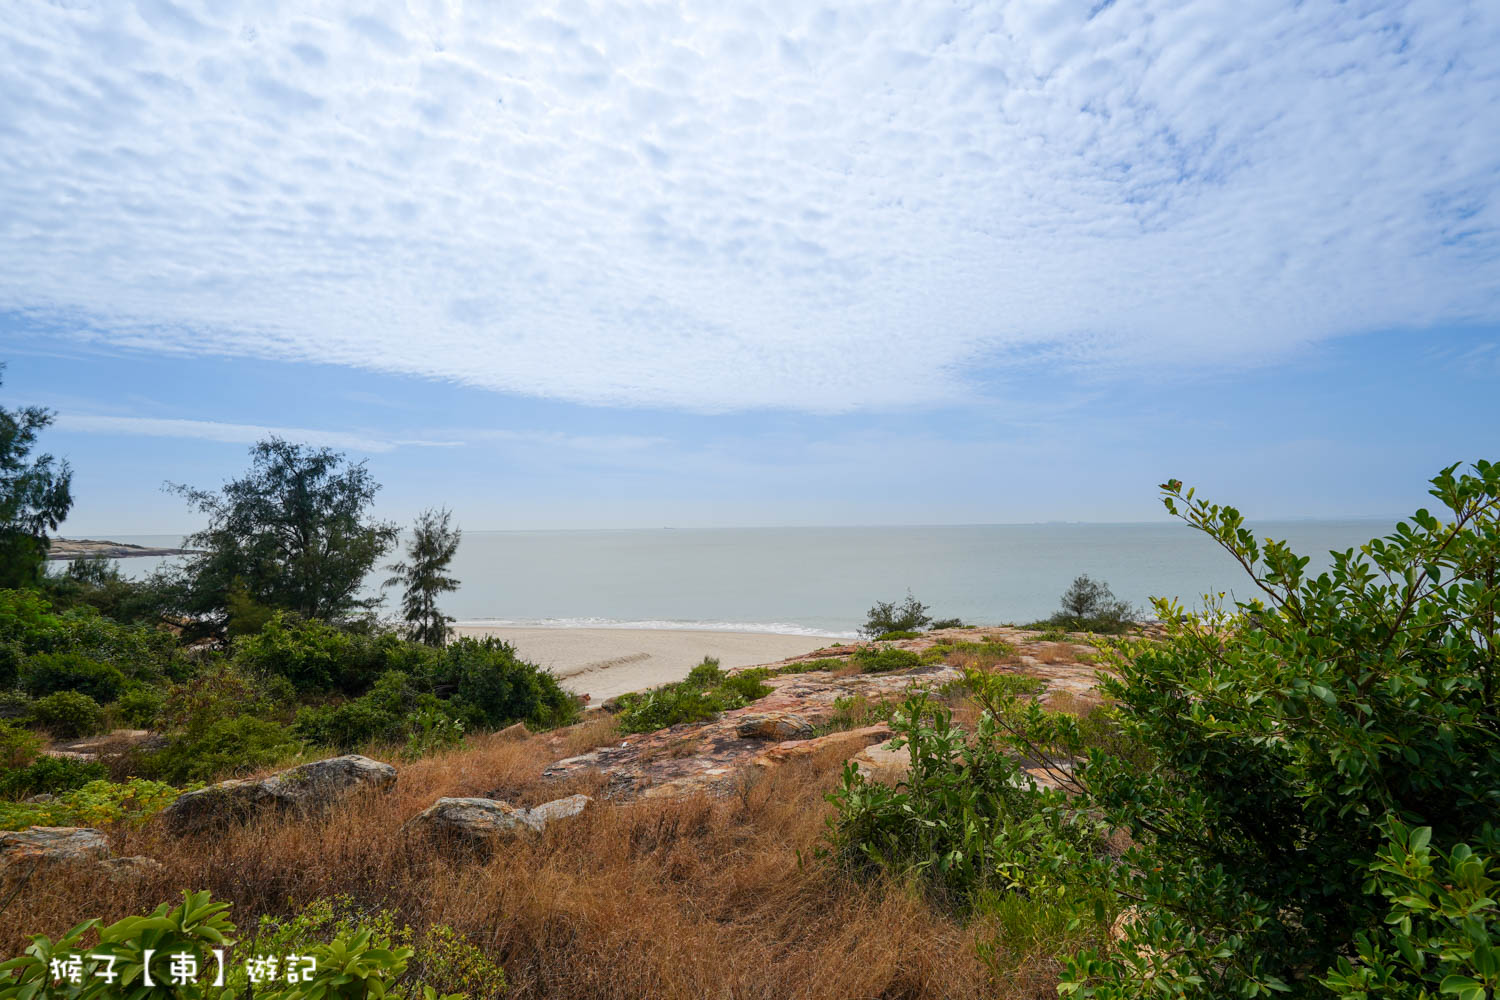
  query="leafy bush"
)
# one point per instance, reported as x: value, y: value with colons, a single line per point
x: 495, y: 688
x: 965, y: 821
x: 67, y: 714
x: 223, y: 748
x: 881, y: 659
x: 938, y: 623
x: 391, y: 711
x: 1293, y: 742
x: 886, y: 616
x: 99, y: 803
x: 705, y: 692
x: 893, y: 636
x: 49, y: 774
x: 1090, y: 606
x: 47, y: 673
x: 18, y: 747
x: 139, y: 705
x: 315, y: 656
x: 809, y: 666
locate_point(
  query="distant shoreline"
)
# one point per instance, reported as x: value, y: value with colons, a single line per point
x: 83, y: 548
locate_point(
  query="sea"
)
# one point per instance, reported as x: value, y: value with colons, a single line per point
x: 823, y: 580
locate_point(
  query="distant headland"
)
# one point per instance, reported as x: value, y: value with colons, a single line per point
x: 80, y: 548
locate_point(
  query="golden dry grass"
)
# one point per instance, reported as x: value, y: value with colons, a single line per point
x: 671, y: 899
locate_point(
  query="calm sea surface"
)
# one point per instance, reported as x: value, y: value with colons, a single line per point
x: 822, y: 580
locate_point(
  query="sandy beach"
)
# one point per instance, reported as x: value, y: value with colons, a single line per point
x: 604, y: 662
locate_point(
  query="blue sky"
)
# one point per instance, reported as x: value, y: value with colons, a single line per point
x: 590, y: 264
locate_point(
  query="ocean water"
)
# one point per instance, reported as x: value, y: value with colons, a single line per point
x: 821, y: 581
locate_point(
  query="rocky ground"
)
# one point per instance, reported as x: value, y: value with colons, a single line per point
x: 809, y: 714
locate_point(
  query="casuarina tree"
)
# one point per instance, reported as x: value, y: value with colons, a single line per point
x: 35, y: 495
x: 423, y: 575
x: 293, y: 533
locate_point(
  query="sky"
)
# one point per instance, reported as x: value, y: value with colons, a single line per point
x: 632, y: 265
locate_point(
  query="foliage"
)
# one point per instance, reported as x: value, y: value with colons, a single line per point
x: 68, y: 714
x: 391, y: 711
x: 18, y: 747
x: 98, y: 803
x: 938, y: 623
x: 353, y: 964
x: 1279, y: 737
x: 965, y: 821
x: 882, y: 659
x: 1090, y: 606
x: 810, y: 666
x: 49, y: 774
x: 1442, y: 934
x: 432, y: 730
x: 293, y: 532
x: 894, y: 636
x: 46, y: 673
x: 887, y: 616
x: 223, y: 748
x: 495, y: 688
x: 317, y: 657
x: 30, y: 625
x: 35, y: 495
x: 425, y: 575
x: 438, y: 956
x: 706, y: 692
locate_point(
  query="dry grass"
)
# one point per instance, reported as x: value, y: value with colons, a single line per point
x: 671, y: 899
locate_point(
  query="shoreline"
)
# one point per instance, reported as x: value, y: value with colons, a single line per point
x: 606, y: 662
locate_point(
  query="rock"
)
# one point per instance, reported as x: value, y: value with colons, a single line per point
x: 883, y: 764
x: 515, y: 732
x: 848, y: 743
x: 51, y: 845
x: 39, y: 797
x: 305, y: 790
x: 479, y: 823
x: 774, y: 726
x: 129, y: 869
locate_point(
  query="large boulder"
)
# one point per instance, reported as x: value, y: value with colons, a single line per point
x: 478, y: 824
x: 51, y: 845
x: 778, y: 726
x: 304, y: 790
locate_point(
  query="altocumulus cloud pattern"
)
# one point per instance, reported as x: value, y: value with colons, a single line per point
x: 775, y: 204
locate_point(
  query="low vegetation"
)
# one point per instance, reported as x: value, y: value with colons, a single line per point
x: 707, y: 691
x: 889, y: 620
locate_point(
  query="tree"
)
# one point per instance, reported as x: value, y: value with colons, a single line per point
x: 1090, y: 604
x: 424, y: 576
x: 292, y: 533
x: 35, y: 496
x: 887, y: 616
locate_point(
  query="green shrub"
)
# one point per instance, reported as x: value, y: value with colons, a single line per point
x: 46, y: 673
x: 14, y: 705
x: 99, y: 803
x: 495, y: 688
x: 18, y: 747
x: 223, y: 748
x: 881, y: 659
x: 49, y: 774
x: 140, y: 705
x: 887, y: 616
x: 11, y: 656
x: 965, y: 821
x: 895, y: 635
x: 706, y: 692
x: 1291, y: 745
x: 67, y: 714
x: 938, y: 623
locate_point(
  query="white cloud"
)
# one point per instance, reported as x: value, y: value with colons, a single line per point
x: 212, y: 430
x: 719, y: 206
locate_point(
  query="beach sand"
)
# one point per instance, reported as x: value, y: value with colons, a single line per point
x: 604, y: 662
